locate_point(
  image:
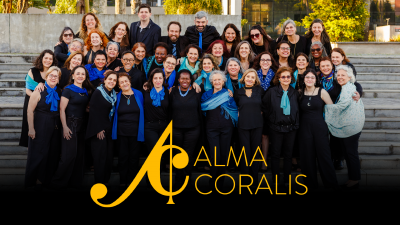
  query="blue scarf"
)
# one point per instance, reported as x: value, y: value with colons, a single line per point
x: 149, y: 63
x: 171, y: 78
x: 206, y: 76
x: 69, y: 53
x: 77, y: 89
x: 94, y: 73
x: 327, y: 82
x: 144, y: 62
x: 295, y: 78
x: 185, y: 65
x: 210, y: 101
x: 157, y: 97
x: 265, y: 83
x: 285, y: 103
x: 30, y: 83
x: 139, y: 100
x: 111, y: 99
x: 52, y: 97
x: 222, y: 61
x: 229, y: 82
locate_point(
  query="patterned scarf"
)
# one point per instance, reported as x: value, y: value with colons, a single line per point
x: 109, y: 98
x: 327, y: 81
x: 265, y: 83
x: 52, y: 97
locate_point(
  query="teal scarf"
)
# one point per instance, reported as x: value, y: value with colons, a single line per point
x: 295, y: 78
x: 229, y: 84
x: 210, y: 101
x: 207, y: 83
x: 185, y: 65
x: 30, y: 83
x: 285, y: 104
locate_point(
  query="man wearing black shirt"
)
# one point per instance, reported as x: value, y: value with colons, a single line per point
x: 176, y: 43
x: 202, y: 34
x: 145, y: 30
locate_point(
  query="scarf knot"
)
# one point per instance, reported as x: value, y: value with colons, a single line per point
x: 77, y: 89
x: 157, y: 97
x: 210, y: 101
x: 285, y: 103
x: 327, y: 81
x: 94, y: 73
x: 185, y: 65
x: 207, y: 83
x: 52, y: 97
x: 112, y: 98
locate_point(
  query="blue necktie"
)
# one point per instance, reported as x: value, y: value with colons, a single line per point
x: 201, y: 40
x: 174, y: 49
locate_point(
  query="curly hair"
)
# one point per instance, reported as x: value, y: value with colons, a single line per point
x: 125, y: 39
x: 186, y: 51
x: 266, y: 40
x: 83, y: 29
x: 213, y: 61
x: 86, y: 83
x: 257, y: 61
x: 38, y: 64
x: 103, y: 37
x: 149, y: 84
x: 225, y: 52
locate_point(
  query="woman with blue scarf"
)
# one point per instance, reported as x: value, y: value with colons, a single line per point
x: 280, y: 106
x: 157, y: 60
x: 170, y: 72
x: 102, y: 107
x: 207, y: 65
x: 44, y: 132
x: 128, y: 128
x: 97, y: 69
x: 73, y: 106
x: 190, y: 59
x: 221, y: 116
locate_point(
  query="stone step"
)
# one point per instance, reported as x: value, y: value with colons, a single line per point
x: 389, y: 60
x: 16, y: 66
x: 12, y: 92
x: 9, y: 134
x: 6, y: 74
x: 376, y: 68
x: 381, y: 94
x: 377, y: 77
x: 379, y: 148
x: 380, y: 135
x: 380, y: 162
x: 380, y: 85
x: 10, y: 122
x: 12, y: 83
x: 18, y: 58
x: 381, y: 107
x: 11, y: 109
x: 12, y: 148
x: 382, y: 123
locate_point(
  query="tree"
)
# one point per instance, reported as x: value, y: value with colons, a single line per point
x: 344, y: 20
x: 21, y: 6
x: 65, y: 7
x: 192, y: 6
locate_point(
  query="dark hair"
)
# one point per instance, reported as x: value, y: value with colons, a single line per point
x: 185, y: 52
x: 302, y: 84
x: 127, y: 52
x: 86, y: 83
x: 339, y: 50
x: 160, y: 44
x: 326, y: 58
x: 324, y: 35
x: 149, y: 84
x: 137, y: 45
x: 176, y: 23
x: 170, y: 56
x: 185, y: 71
x: 60, y: 39
x: 100, y: 52
x: 213, y: 61
x: 295, y: 60
x: 123, y: 74
x: 267, y: 40
x: 257, y: 65
x: 141, y: 6
x: 38, y: 64
x: 237, y: 38
x: 108, y: 73
x: 125, y: 39
x: 68, y: 61
x: 279, y: 72
x: 225, y: 52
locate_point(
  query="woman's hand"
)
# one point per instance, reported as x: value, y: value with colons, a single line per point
x: 356, y: 97
x: 57, y: 44
x: 100, y: 135
x: 144, y: 86
x: 32, y: 133
x: 171, y: 89
x: 67, y: 133
x: 117, y: 68
x: 40, y: 87
x: 196, y: 87
x: 178, y: 61
x: 230, y: 93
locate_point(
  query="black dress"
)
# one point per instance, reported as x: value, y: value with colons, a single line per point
x: 222, y: 65
x: 65, y: 75
x: 154, y: 66
x: 23, y: 140
x: 61, y: 53
x: 44, y: 150
x: 138, y: 78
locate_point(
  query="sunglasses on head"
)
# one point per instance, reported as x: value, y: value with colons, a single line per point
x: 254, y: 35
x: 318, y: 49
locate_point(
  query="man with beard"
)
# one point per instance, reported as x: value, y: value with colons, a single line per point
x: 202, y: 34
x: 175, y: 42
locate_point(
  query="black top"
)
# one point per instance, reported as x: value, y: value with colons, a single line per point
x: 152, y: 113
x: 45, y: 108
x: 258, y: 49
x: 327, y: 46
x: 290, y: 60
x: 185, y: 111
x: 150, y: 38
x: 77, y: 103
x: 37, y: 76
x: 181, y: 44
x: 65, y: 75
x: 89, y: 57
x: 154, y: 66
x: 114, y: 64
x: 312, y: 106
x: 128, y: 116
x: 300, y: 81
x: 123, y: 49
x: 99, y: 114
x: 60, y: 52
x: 295, y: 49
x: 249, y: 108
x: 223, y: 65
x: 209, y: 35
x: 140, y: 66
x: 216, y: 120
x: 77, y: 35
x: 138, y: 78
x: 176, y: 83
x: 313, y: 66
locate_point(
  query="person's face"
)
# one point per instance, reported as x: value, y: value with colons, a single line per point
x: 161, y: 54
x: 140, y: 53
x: 301, y: 62
x: 337, y: 58
x: 290, y: 29
x: 244, y: 50
x: 144, y: 14
x: 309, y: 80
x: 47, y: 60
x: 124, y: 83
x: 284, y: 50
x: 342, y: 77
x: 75, y: 61
x: 112, y: 51
x: 256, y: 36
x: 169, y: 64
x: 53, y: 78
x: 158, y: 80
x: 250, y: 79
x: 90, y: 22
x: 100, y: 61
x: 120, y: 31
x: 79, y: 76
x: 217, y: 50
x: 230, y: 35
x: 217, y: 81
x: 111, y: 81
x: 128, y: 61
x: 184, y: 80
x: 193, y: 55
x: 95, y: 39
x: 285, y: 78
x: 233, y: 68
x: 265, y: 61
x: 75, y: 46
x: 317, y: 29
x: 207, y: 65
x: 68, y: 36
x: 325, y: 67
x: 316, y: 51
x: 201, y: 24
x: 173, y: 32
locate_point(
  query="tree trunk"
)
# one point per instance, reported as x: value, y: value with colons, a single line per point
x: 366, y: 27
x: 133, y: 6
x: 100, y: 6
x: 87, y: 6
x: 22, y: 6
x: 120, y: 6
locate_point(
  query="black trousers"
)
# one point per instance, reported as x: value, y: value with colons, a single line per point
x: 128, y: 158
x: 102, y: 152
x: 250, y: 140
x: 336, y: 149
x: 235, y: 144
x: 71, y: 167
x: 281, y: 142
x: 219, y: 140
x: 349, y: 146
x: 185, y: 138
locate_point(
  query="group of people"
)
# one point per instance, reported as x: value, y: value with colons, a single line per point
x: 109, y: 94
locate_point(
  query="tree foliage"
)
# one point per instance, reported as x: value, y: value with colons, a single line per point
x: 192, y: 6
x: 65, y: 7
x: 21, y: 6
x: 344, y: 20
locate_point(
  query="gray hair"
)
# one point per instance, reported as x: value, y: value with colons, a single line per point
x: 201, y: 14
x: 213, y: 73
x: 349, y: 72
x: 80, y: 41
x: 321, y: 46
x: 113, y: 43
x: 241, y: 70
x: 286, y: 23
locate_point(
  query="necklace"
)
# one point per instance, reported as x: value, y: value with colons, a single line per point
x: 129, y: 101
x: 309, y: 98
x: 81, y: 94
x: 180, y: 92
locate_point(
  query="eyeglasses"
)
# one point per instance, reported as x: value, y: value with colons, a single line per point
x: 310, y: 77
x: 170, y: 63
x: 255, y: 35
x: 265, y: 60
x: 285, y: 49
x: 128, y: 60
x: 286, y: 77
x: 313, y: 50
x: 66, y: 35
x: 52, y: 76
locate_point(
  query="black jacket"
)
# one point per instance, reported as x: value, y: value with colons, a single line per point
x: 327, y: 46
x: 60, y: 52
x: 275, y: 118
x: 182, y: 42
x: 210, y: 34
x: 150, y: 38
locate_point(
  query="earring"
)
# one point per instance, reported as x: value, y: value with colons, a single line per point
x: 101, y: 43
x: 124, y: 35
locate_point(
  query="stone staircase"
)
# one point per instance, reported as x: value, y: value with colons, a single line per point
x: 379, y: 145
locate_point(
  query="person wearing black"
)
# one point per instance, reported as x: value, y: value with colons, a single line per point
x: 259, y: 40
x: 297, y: 43
x: 137, y: 77
x: 157, y: 60
x: 250, y: 122
x: 220, y: 53
x: 44, y: 132
x: 145, y: 30
x: 61, y: 50
x: 283, y: 57
x: 282, y: 116
x: 112, y: 51
x: 119, y: 33
x: 102, y: 107
x: 176, y: 43
x: 73, y: 105
x: 35, y: 80
x: 140, y: 53
x: 317, y: 33
x: 231, y: 36
x: 317, y: 52
x: 128, y: 129
x: 96, y: 41
x: 245, y: 54
x: 185, y: 112
x: 97, y: 69
x: 74, y: 60
x: 170, y: 77
x: 201, y: 34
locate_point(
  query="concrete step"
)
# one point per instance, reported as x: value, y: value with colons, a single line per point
x: 12, y: 148
x: 375, y: 68
x: 380, y: 135
x: 377, y: 76
x: 388, y: 60
x: 12, y: 83
x: 380, y: 162
x: 6, y: 74
x: 11, y: 110
x: 16, y: 66
x: 380, y: 85
x: 10, y: 134
x: 12, y: 92
x: 382, y: 123
x: 18, y: 58
x: 379, y: 148
x: 10, y: 122
x: 381, y: 107
x: 381, y: 93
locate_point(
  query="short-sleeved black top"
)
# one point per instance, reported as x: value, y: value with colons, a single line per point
x: 152, y: 113
x: 77, y: 103
x: 65, y: 75
x: 249, y: 108
x: 128, y: 116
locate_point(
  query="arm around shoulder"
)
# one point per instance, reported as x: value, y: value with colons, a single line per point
x: 325, y: 97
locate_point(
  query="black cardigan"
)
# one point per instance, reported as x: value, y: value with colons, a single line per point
x: 60, y: 52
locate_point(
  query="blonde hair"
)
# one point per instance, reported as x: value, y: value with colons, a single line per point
x: 51, y: 69
x: 257, y: 81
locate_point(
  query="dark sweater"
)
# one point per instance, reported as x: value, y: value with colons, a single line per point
x: 185, y: 112
x: 249, y: 108
x: 152, y: 113
x: 60, y: 52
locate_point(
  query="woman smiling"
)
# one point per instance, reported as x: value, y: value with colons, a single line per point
x: 97, y: 69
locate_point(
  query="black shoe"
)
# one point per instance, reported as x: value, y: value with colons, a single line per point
x: 338, y: 164
x: 346, y: 188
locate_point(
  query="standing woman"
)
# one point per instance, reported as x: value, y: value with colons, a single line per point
x: 157, y: 60
x: 260, y: 41
x: 233, y: 72
x: 317, y: 33
x: 297, y: 43
x: 73, y: 105
x: 301, y: 64
x: 207, y: 65
x: 128, y: 128
x: 245, y: 54
x: 97, y: 69
x: 282, y: 116
x: 89, y: 23
x: 250, y: 122
x: 35, y: 79
x: 190, y: 59
x: 102, y: 107
x: 338, y: 57
x: 112, y: 51
x: 171, y: 79
x: 220, y: 53
x: 139, y: 49
x: 61, y: 50
x: 44, y: 131
x: 119, y: 33
x: 317, y: 51
x: 74, y: 60
x: 231, y: 37
x: 95, y: 41
x: 283, y: 57
x: 221, y: 116
x: 137, y: 77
